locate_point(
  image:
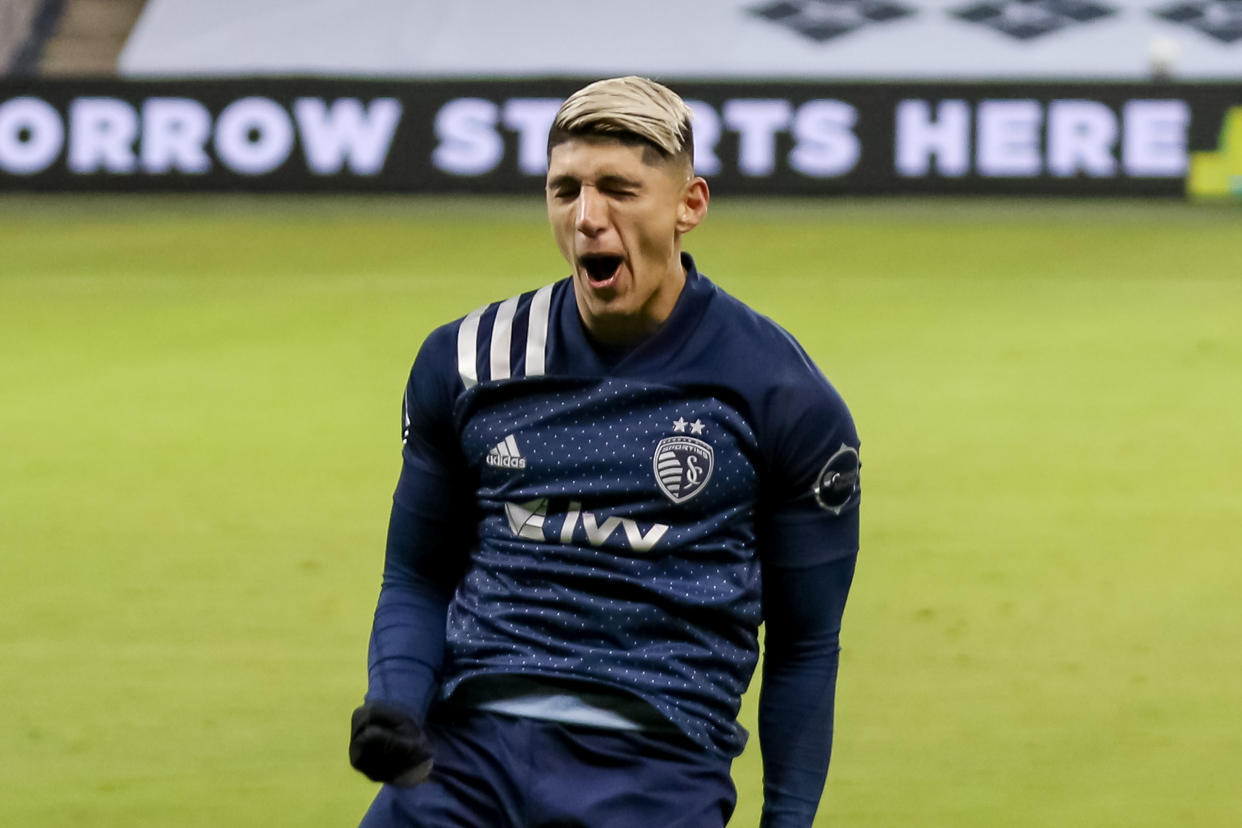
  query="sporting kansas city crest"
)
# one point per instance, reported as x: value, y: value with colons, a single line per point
x: 683, y: 465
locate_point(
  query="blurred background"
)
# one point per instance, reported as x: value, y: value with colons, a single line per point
x: 1009, y: 231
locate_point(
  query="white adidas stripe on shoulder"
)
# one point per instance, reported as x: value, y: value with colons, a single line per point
x: 498, y: 362
x: 502, y: 338
x: 537, y: 332
x: 467, y: 339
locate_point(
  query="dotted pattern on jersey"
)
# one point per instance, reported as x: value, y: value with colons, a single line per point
x: 573, y: 576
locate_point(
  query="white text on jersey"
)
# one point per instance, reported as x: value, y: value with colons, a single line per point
x: 527, y: 520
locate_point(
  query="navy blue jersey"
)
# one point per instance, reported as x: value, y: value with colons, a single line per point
x: 615, y: 510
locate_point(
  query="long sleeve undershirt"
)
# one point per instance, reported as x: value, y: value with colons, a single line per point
x: 803, y: 608
x: 407, y: 640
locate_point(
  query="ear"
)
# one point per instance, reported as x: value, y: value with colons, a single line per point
x: 693, y: 205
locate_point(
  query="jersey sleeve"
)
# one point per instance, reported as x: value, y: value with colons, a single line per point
x: 808, y: 548
x: 430, y: 458
x: 425, y: 550
x: 813, y: 488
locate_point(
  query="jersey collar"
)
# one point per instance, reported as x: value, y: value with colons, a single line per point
x: 584, y: 357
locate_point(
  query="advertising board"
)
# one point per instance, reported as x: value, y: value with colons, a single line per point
x: 320, y: 135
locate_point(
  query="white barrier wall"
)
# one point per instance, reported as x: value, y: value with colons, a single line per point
x: 721, y: 39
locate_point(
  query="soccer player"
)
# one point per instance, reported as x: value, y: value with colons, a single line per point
x: 607, y: 484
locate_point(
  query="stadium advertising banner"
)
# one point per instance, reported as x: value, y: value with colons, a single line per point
x: 317, y: 135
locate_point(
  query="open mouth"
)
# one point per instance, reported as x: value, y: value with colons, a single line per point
x: 600, y: 268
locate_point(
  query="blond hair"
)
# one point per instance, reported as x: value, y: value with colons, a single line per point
x: 630, y: 109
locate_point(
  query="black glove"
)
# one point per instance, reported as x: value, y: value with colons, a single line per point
x: 387, y: 745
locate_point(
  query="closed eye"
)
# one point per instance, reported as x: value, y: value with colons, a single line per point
x: 618, y: 186
x: 564, y: 187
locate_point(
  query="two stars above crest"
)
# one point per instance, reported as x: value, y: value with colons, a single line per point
x: 679, y: 426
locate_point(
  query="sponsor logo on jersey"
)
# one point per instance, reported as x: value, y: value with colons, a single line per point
x: 683, y: 465
x: 505, y: 455
x: 528, y: 520
x: 837, y: 485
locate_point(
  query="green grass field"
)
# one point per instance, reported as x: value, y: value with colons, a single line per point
x: 199, y: 435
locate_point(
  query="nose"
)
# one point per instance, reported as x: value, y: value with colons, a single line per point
x: 591, y: 217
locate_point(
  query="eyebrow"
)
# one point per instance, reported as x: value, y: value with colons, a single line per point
x: 614, y: 180
x: 606, y: 180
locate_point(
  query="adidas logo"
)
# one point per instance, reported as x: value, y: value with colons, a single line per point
x: 505, y: 455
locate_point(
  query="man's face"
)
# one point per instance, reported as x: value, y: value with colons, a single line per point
x: 618, y: 221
